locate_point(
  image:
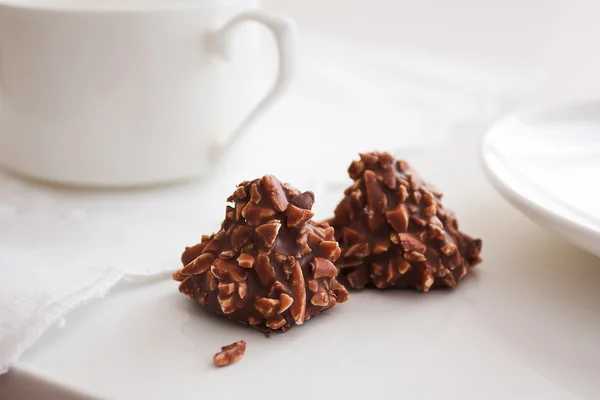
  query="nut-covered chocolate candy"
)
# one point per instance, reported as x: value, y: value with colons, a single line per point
x: 270, y: 265
x: 394, y: 231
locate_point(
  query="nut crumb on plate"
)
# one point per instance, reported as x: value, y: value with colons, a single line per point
x: 230, y: 354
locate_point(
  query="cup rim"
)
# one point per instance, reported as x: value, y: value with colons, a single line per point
x: 112, y: 6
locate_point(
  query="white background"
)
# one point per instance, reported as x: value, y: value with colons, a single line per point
x: 560, y: 36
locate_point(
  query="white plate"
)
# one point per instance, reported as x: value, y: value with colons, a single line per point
x: 506, y: 332
x: 547, y: 164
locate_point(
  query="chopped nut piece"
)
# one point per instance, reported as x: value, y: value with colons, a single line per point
x: 323, y: 268
x: 240, y: 236
x: 403, y: 266
x: 330, y: 250
x: 428, y: 280
x: 255, y: 196
x: 376, y: 201
x: 428, y: 198
x: 199, y: 266
x: 448, y: 249
x: 417, y: 196
x: 409, y: 242
x: 356, y: 168
x: 227, y: 254
x: 266, y: 306
x: 178, y: 276
x: 230, y: 354
x: 227, y: 304
x: 290, y: 191
x: 240, y: 192
x: 226, y: 288
x: 359, y: 250
x: 276, y: 323
x: 418, y: 222
x: 436, y: 233
x: 403, y: 166
x: 414, y: 257
x: 264, y: 270
x: 192, y: 252
x: 275, y: 192
x: 255, y: 214
x: 388, y: 177
x: 398, y: 218
x: 268, y: 232
x: 285, y: 301
x: 298, y: 308
x: 339, y: 291
x: 403, y: 193
x: 228, y: 269
x: 430, y: 211
x: 212, y: 281
x: 436, y: 222
x: 369, y: 158
x: 278, y: 288
x: 242, y: 290
x: 245, y: 260
x: 297, y: 216
x: 320, y: 299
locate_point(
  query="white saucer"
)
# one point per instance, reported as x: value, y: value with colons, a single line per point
x: 547, y: 164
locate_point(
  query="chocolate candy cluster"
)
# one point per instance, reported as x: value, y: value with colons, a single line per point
x: 270, y: 265
x: 394, y: 231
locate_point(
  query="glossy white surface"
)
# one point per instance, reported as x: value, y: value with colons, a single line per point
x: 523, y: 326
x: 131, y: 96
x: 547, y: 163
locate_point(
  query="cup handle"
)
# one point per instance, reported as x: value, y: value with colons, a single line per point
x: 285, y: 34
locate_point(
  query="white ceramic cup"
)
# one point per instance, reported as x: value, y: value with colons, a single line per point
x: 128, y: 93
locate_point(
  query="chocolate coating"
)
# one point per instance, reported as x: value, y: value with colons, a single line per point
x: 270, y: 265
x: 394, y: 231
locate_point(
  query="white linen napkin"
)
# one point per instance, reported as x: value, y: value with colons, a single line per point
x: 61, y: 247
